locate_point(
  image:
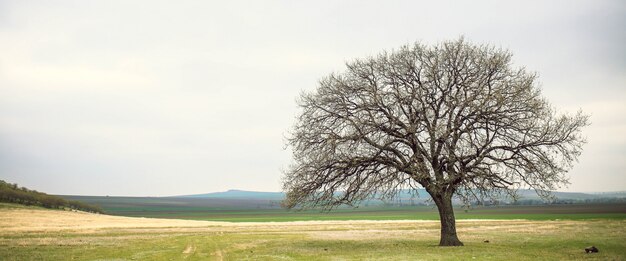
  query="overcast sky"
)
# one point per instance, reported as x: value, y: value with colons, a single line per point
x: 151, y: 98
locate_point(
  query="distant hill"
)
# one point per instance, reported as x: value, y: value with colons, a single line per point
x: 615, y: 194
x: 239, y: 194
x: 138, y: 203
x: 241, y: 201
x: 420, y: 196
x: 405, y: 194
x: 531, y: 194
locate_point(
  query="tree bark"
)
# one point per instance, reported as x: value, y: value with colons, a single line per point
x: 448, y: 223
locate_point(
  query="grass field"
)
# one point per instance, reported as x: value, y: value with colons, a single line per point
x: 541, y: 212
x: 263, y: 210
x: 37, y: 234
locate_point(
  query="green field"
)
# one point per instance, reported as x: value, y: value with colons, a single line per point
x: 324, y: 240
x: 32, y: 233
x: 266, y: 208
x: 544, y: 212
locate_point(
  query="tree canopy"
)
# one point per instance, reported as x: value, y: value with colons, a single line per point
x: 457, y: 119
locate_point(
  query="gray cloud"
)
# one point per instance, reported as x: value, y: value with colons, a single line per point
x: 152, y: 98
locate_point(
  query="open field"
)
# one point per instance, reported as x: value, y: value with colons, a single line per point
x: 249, y: 210
x: 548, y: 212
x: 37, y: 234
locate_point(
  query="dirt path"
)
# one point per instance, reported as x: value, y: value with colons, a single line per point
x: 219, y: 255
x: 189, y: 249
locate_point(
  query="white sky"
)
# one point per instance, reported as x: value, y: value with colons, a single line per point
x: 151, y: 98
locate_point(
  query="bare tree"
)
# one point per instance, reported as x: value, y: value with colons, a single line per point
x: 456, y: 119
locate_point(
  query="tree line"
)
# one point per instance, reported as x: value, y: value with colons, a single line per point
x: 12, y: 193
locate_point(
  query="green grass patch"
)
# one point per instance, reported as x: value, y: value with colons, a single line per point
x: 536, y: 240
x: 556, y: 212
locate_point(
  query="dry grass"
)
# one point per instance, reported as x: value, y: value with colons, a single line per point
x: 59, y: 235
x: 35, y: 220
x: 22, y: 220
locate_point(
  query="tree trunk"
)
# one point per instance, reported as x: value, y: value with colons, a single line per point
x: 448, y: 223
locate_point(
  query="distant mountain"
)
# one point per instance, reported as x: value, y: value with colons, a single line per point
x: 614, y: 194
x: 531, y: 194
x: 239, y: 194
x: 140, y: 204
x: 405, y: 196
x: 258, y: 195
x: 241, y: 200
